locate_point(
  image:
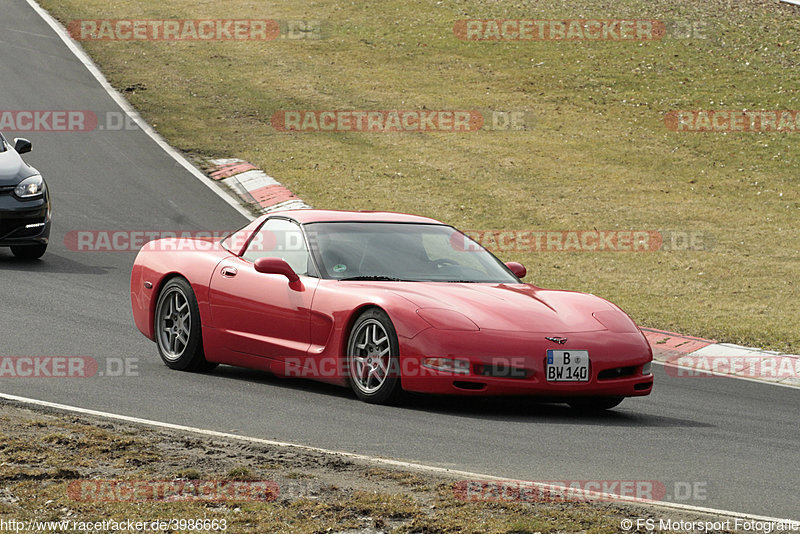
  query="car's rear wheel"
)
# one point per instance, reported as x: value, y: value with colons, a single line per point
x: 595, y: 404
x: 177, y: 328
x: 373, y: 358
x: 28, y: 252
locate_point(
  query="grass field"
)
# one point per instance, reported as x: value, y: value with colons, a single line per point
x: 597, y: 154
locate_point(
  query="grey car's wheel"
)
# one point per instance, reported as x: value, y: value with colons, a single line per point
x: 373, y: 358
x: 177, y: 328
x: 28, y: 252
x: 595, y: 404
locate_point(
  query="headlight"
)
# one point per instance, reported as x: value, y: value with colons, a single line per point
x: 30, y: 187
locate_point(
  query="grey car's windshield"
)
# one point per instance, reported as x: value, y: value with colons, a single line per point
x: 384, y: 251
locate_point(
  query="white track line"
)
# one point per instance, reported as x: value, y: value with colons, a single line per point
x: 380, y: 461
x: 132, y: 113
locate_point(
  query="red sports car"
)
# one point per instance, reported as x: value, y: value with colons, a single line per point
x: 382, y: 302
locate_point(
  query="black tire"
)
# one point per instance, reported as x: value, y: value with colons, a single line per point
x: 594, y: 404
x: 177, y: 327
x: 365, y: 347
x: 28, y: 252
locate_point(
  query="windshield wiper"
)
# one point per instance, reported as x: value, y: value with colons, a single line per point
x: 461, y: 282
x: 380, y: 278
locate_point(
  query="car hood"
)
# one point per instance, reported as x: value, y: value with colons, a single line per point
x: 518, y: 307
x: 12, y: 168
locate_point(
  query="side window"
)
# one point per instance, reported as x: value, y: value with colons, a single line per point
x: 279, y: 238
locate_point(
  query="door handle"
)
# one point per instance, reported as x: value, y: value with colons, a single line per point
x: 229, y: 272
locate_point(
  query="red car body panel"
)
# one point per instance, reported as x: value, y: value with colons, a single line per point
x: 301, y: 328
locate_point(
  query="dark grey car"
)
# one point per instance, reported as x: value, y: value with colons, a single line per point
x: 24, y: 202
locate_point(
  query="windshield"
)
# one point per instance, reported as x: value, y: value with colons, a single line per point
x: 401, y: 251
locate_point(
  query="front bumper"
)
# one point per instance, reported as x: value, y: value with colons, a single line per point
x: 24, y: 222
x: 506, y: 363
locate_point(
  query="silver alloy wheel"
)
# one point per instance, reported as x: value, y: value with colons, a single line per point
x: 174, y: 324
x: 369, y: 354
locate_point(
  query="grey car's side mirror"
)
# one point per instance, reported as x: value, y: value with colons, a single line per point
x: 22, y: 145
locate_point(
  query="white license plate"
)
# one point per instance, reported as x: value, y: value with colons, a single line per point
x: 567, y: 366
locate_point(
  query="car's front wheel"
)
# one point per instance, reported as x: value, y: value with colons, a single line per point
x: 177, y: 328
x: 373, y: 358
x: 28, y: 252
x: 595, y: 404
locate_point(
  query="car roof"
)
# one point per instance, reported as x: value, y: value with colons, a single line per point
x: 314, y: 216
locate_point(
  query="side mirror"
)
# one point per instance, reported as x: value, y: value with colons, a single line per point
x: 518, y: 269
x: 276, y: 266
x: 22, y: 145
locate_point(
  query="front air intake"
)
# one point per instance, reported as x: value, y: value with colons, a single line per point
x: 616, y: 372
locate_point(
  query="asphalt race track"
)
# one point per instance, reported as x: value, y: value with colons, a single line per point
x: 735, y: 440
